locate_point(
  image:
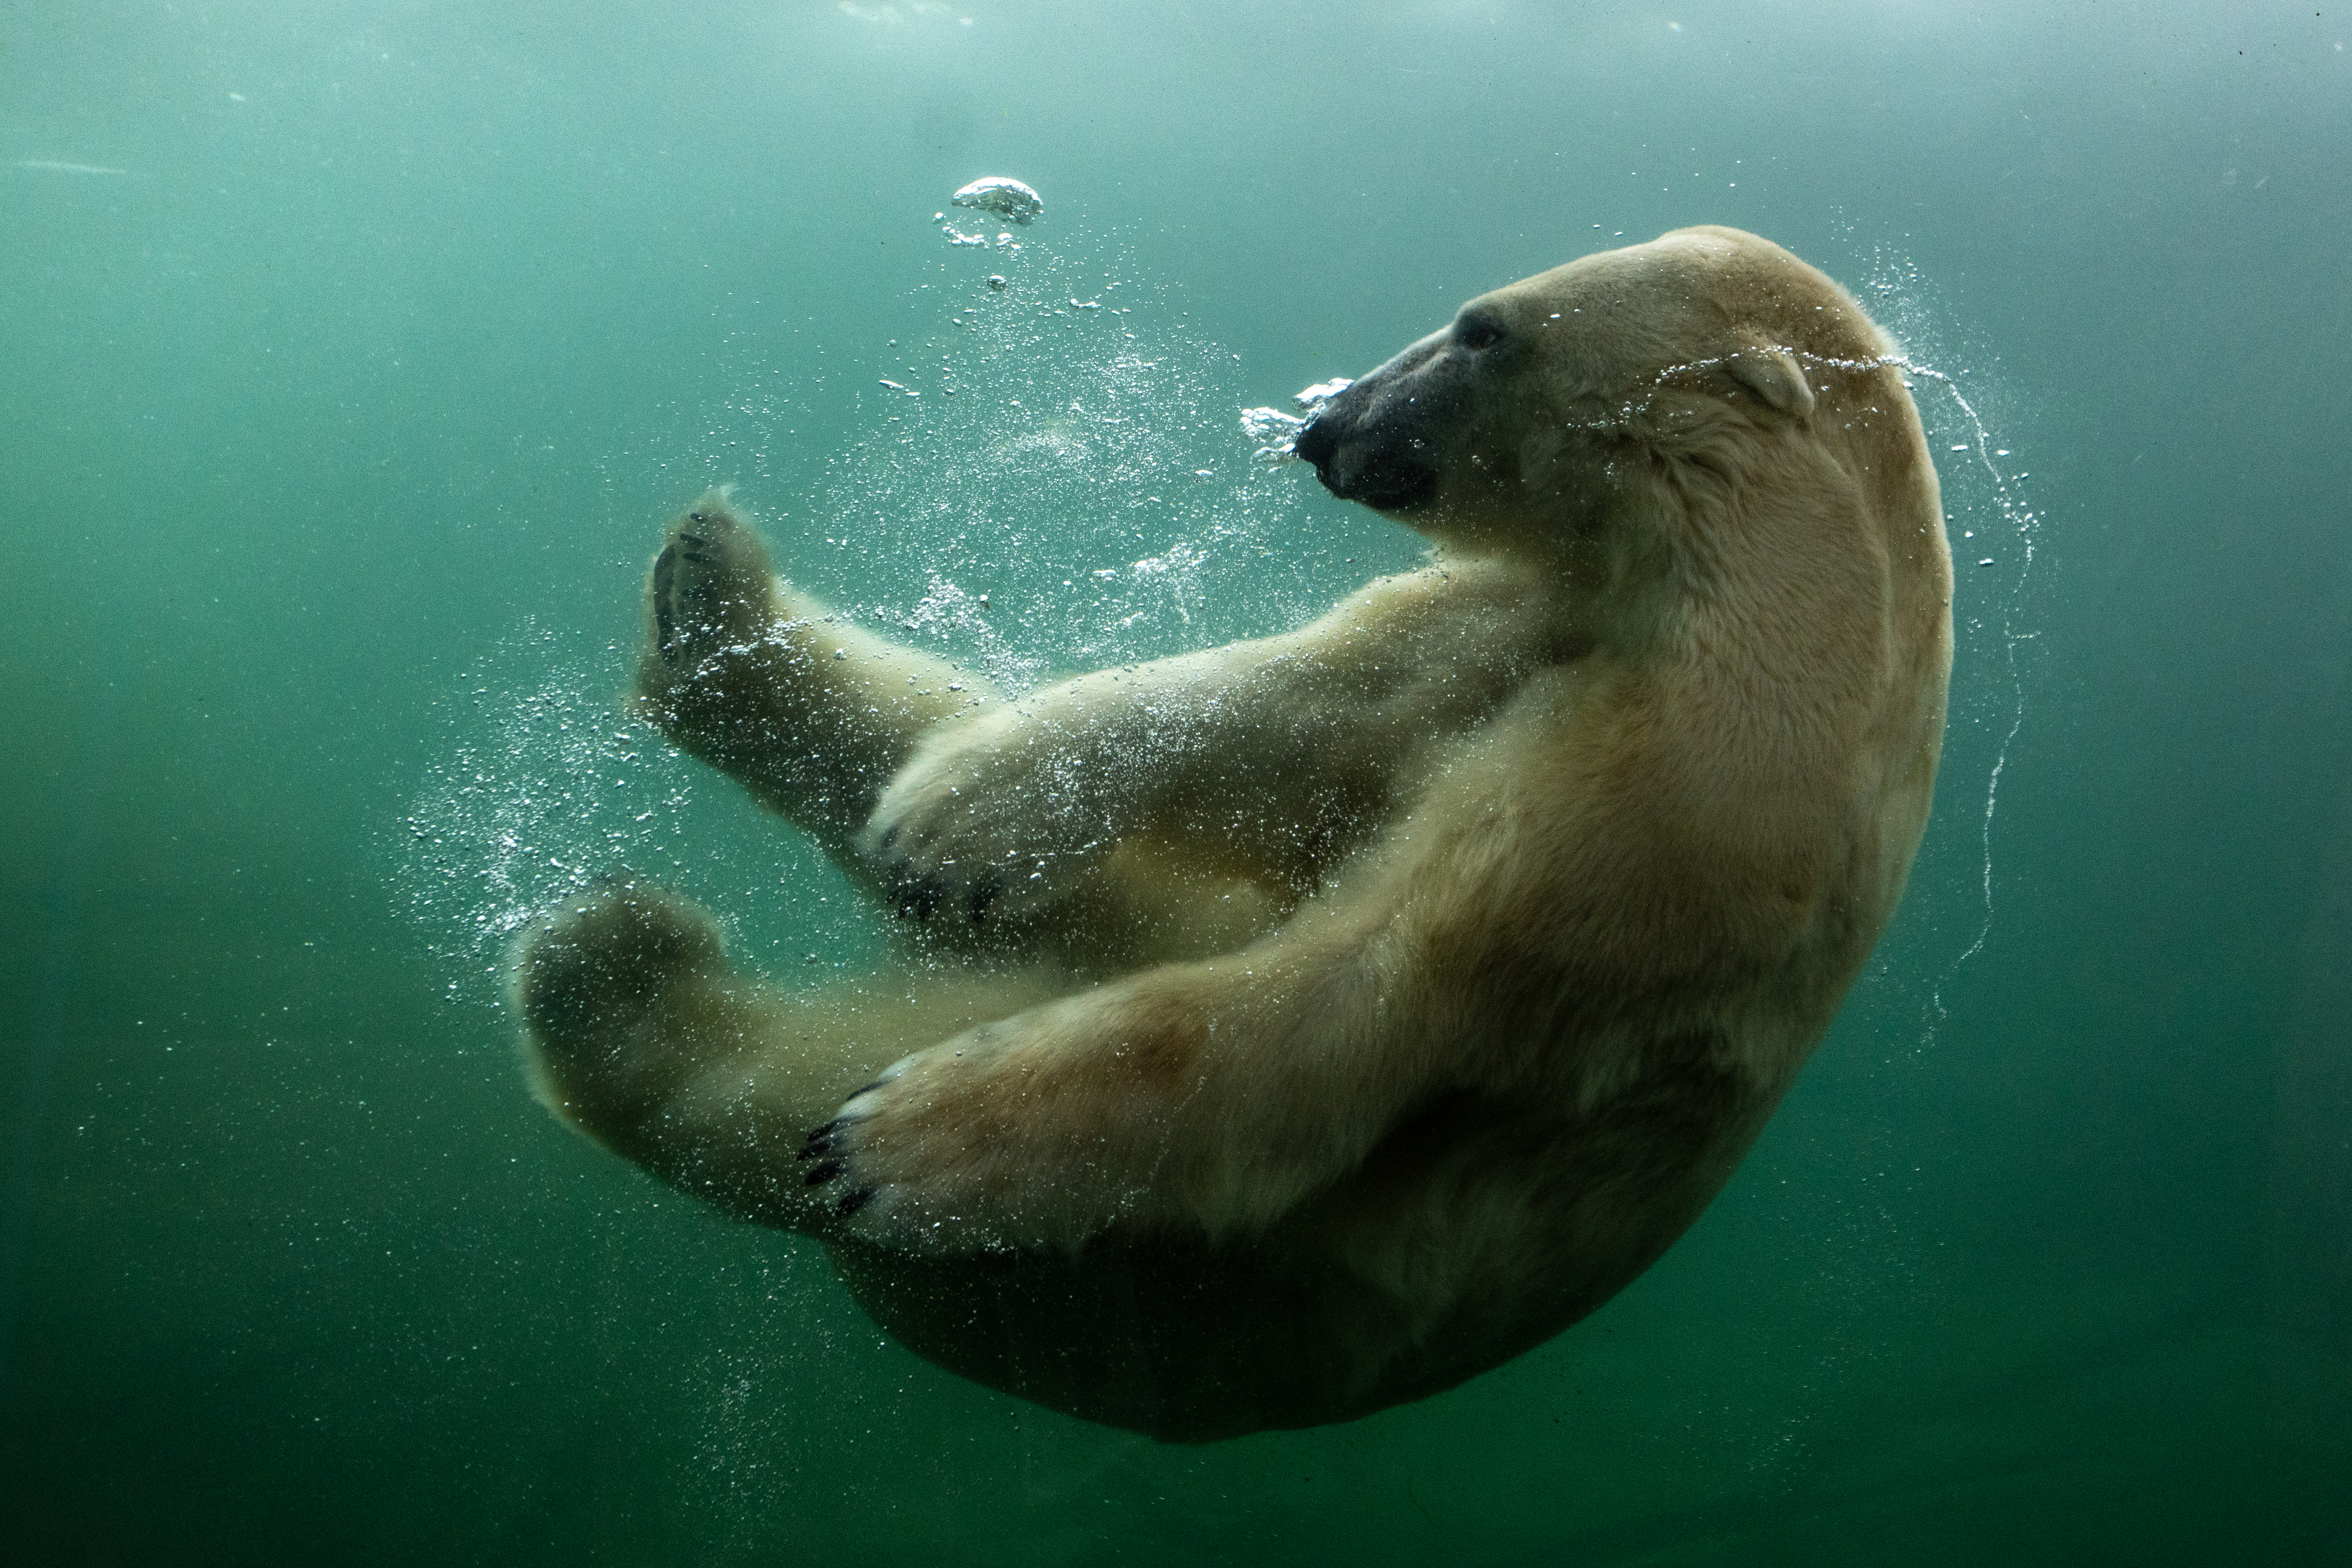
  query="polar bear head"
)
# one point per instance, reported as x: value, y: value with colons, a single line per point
x: 1708, y: 456
x: 1542, y: 400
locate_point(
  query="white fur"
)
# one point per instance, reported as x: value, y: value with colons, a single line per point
x: 1417, y: 975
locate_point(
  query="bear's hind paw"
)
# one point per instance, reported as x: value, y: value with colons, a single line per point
x: 712, y: 584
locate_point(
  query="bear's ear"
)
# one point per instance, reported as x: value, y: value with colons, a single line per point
x: 1774, y: 375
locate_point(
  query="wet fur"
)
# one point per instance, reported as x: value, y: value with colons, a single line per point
x: 1292, y: 1028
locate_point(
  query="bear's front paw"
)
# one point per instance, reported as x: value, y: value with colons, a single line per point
x: 944, y: 1154
x: 933, y: 877
x: 712, y: 584
x: 982, y: 833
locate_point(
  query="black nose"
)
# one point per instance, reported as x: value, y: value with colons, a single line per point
x: 1316, y: 444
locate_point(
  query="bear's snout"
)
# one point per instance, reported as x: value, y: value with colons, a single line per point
x: 1371, y: 450
x: 1375, y: 443
x: 1319, y: 443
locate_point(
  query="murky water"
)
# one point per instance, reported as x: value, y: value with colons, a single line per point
x: 352, y: 363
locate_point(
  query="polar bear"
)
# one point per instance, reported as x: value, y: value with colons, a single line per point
x: 1289, y: 1029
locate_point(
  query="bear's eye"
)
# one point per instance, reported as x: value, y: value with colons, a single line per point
x: 1476, y: 332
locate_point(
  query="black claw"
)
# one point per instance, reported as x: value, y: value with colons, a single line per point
x: 820, y: 1173
x: 920, y: 900
x: 664, y: 573
x: 852, y: 1203
x: 868, y: 1089
x: 889, y: 836
x: 821, y: 1141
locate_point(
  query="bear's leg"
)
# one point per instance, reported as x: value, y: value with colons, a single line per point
x: 802, y: 706
x: 1209, y: 1097
x: 640, y: 1034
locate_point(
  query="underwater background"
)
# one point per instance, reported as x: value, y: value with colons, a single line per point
x: 353, y: 356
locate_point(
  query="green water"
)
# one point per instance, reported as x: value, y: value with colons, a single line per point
x: 336, y: 429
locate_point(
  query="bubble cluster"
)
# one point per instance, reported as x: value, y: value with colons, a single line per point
x: 1066, y: 488
x: 540, y: 788
x: 997, y: 196
x: 1276, y: 433
x: 1041, y: 475
x: 1995, y: 535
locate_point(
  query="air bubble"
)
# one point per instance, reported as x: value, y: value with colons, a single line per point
x: 1276, y: 433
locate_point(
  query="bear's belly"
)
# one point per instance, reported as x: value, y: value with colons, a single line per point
x: 1465, y: 1240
